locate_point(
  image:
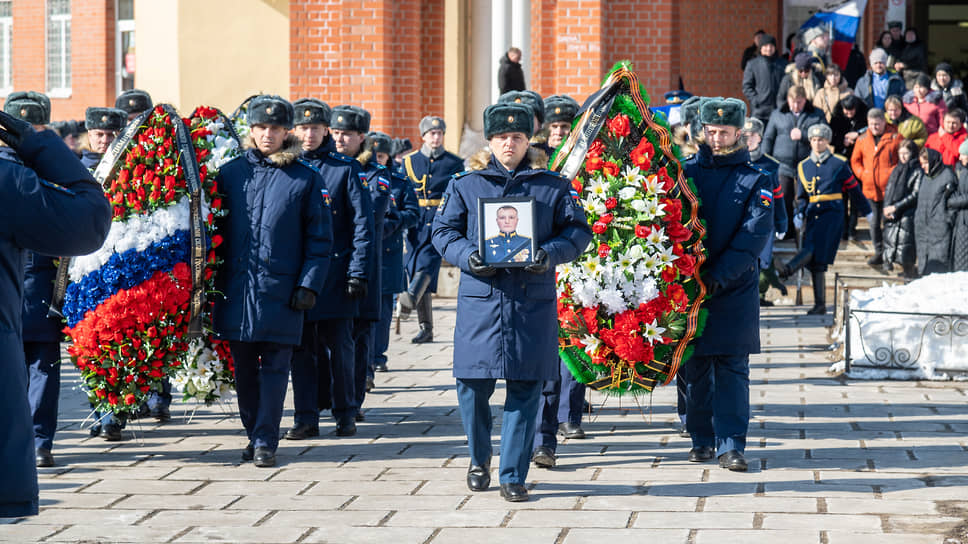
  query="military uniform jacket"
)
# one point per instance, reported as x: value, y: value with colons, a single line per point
x: 430, y: 178
x: 820, y: 190
x: 90, y: 159
x: 352, y: 216
x: 278, y: 235
x: 507, y: 324
x: 402, y: 215
x: 507, y: 248
x: 52, y: 207
x: 377, y: 180
x: 737, y: 207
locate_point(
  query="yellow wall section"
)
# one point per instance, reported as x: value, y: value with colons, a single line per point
x: 212, y: 52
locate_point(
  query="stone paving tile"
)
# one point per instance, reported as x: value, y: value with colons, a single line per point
x: 266, y: 535
x: 159, y: 487
x: 329, y: 519
x: 205, y: 518
x: 496, y: 536
x: 174, y: 502
x: 822, y: 522
x: 406, y: 502
x: 236, y: 487
x: 760, y: 504
x: 575, y: 518
x: 439, y: 518
x: 848, y: 537
x: 84, y: 533
x: 641, y: 503
x: 756, y: 536
x: 71, y: 516
x: 381, y: 487
x: 53, y: 499
x: 370, y: 535
x: 302, y: 502
x: 626, y: 536
x: 695, y: 520
x: 27, y: 533
x: 538, y: 500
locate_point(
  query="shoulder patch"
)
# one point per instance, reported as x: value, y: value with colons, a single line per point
x: 766, y: 198
x: 363, y: 182
x: 575, y: 198
x: 340, y: 157
x: 443, y: 203
x: 383, y: 184
x: 326, y: 198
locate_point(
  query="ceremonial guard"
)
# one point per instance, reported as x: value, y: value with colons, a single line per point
x: 823, y: 179
x: 276, y: 252
x: 322, y: 373
x: 313, y: 129
x: 103, y: 126
x: 134, y: 102
x: 562, y: 399
x: 753, y: 131
x: 53, y: 207
x: 534, y: 101
x: 737, y: 206
x: 506, y: 325
x: 377, y: 180
x: 41, y: 335
x: 403, y: 214
x: 430, y: 170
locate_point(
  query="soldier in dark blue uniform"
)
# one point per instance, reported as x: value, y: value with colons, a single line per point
x: 103, y: 126
x: 312, y: 124
x: 753, y: 131
x: 823, y: 179
x: 41, y: 335
x: 278, y: 235
x: 507, y: 246
x: 377, y: 180
x: 134, y: 102
x: 322, y: 370
x: 402, y: 215
x: 561, y: 399
x: 52, y: 207
x: 737, y: 206
x: 429, y: 169
x: 506, y: 326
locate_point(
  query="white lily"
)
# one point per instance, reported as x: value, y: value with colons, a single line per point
x: 653, y: 332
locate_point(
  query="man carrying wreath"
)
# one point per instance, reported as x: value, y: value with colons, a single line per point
x: 506, y: 319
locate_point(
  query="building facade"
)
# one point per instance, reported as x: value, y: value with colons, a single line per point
x: 401, y: 59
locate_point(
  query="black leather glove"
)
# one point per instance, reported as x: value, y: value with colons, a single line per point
x: 356, y: 288
x: 540, y: 264
x: 302, y: 299
x: 712, y: 287
x: 13, y: 130
x: 479, y: 267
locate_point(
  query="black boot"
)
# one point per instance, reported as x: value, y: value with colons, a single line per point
x: 415, y: 291
x: 819, y: 293
x: 770, y: 275
x: 801, y: 259
x: 425, y: 315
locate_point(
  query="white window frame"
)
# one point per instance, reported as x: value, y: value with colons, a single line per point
x: 6, y: 62
x: 121, y: 26
x: 64, y: 21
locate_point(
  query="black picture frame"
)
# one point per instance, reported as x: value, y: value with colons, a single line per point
x: 506, y: 249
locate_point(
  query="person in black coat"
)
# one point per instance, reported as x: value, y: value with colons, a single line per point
x: 510, y: 75
x: 915, y: 53
x: 278, y: 234
x: 848, y: 122
x: 737, y: 207
x: 786, y: 140
x: 41, y: 334
x: 900, y: 201
x: 52, y: 207
x: 753, y: 50
x: 761, y: 79
x: 323, y: 366
x: 932, y: 224
x: 506, y: 327
x: 958, y: 211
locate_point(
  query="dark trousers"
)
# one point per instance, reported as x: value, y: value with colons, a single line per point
x: 790, y: 190
x: 162, y: 399
x: 681, y: 404
x: 336, y: 385
x: 43, y: 389
x: 718, y: 401
x: 363, y: 349
x: 877, y: 226
x: 517, y: 427
x: 381, y: 335
x: 561, y: 401
x: 305, y: 377
x: 261, y: 380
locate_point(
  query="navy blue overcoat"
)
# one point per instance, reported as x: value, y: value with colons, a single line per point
x: 53, y: 207
x: 402, y: 215
x: 378, y: 183
x: 507, y: 324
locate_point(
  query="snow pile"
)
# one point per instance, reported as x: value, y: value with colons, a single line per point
x: 932, y: 347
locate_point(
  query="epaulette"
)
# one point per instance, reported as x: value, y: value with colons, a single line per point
x: 758, y: 169
x: 307, y: 164
x: 340, y: 157
x: 841, y: 157
x: 459, y: 175
x: 771, y: 157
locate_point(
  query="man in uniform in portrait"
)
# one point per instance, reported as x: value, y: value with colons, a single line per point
x: 508, y: 246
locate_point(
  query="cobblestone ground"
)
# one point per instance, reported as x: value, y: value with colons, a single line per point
x: 831, y: 462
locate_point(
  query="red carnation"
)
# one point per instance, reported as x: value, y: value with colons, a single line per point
x: 677, y: 297
x: 604, y: 250
x: 678, y: 233
x: 619, y: 125
x: 643, y: 231
x: 669, y: 274
x: 599, y: 228
x: 610, y: 168
x: 129, y: 399
x: 611, y: 202
x: 607, y: 218
x: 593, y: 164
x: 596, y: 149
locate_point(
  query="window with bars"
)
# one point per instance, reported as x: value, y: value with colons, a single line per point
x: 59, y: 47
x: 6, y: 43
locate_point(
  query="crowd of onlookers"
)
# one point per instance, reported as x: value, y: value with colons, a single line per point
x: 898, y: 122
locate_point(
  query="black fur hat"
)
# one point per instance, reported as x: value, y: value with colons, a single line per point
x: 380, y: 142
x: 29, y: 106
x: 508, y: 117
x: 350, y: 118
x: 134, y: 101
x: 401, y: 145
x: 105, y: 119
x: 309, y: 111
x: 560, y: 108
x: 269, y: 109
x: 529, y: 98
x: 723, y: 111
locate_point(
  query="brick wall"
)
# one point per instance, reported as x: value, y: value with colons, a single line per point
x: 92, y: 54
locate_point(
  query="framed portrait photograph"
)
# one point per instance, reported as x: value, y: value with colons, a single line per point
x: 506, y: 231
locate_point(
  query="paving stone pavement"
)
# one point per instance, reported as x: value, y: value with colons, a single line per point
x: 832, y: 461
